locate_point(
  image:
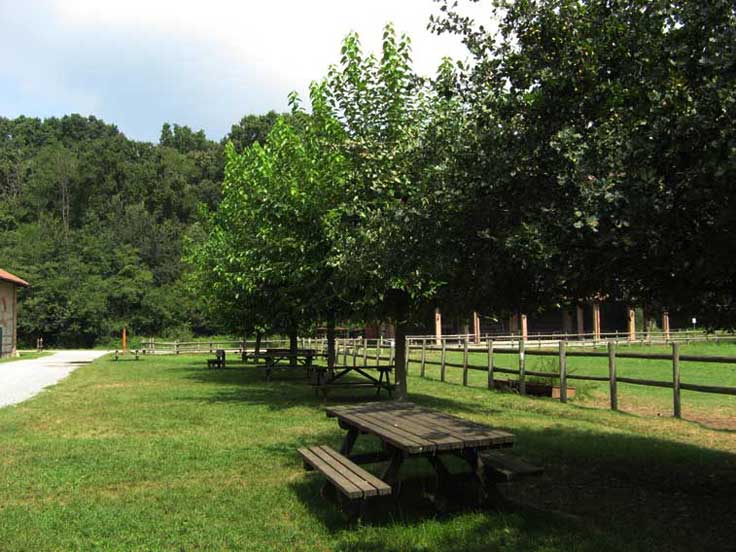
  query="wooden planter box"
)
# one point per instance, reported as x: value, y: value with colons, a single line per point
x: 533, y: 388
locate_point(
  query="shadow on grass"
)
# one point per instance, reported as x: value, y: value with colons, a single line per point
x: 287, y: 388
x: 710, y: 427
x: 600, y: 490
x: 391, y: 523
x: 603, y: 488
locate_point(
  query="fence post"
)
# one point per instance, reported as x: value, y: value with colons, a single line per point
x: 443, y: 358
x: 176, y: 346
x: 612, y: 374
x: 379, y: 350
x: 676, y: 379
x: 490, y: 364
x: 424, y: 356
x: 522, y: 367
x: 563, y: 372
x: 465, y: 361
x: 355, y: 352
x: 210, y: 347
x: 365, y: 352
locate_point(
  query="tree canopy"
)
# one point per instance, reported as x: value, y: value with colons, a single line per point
x: 606, y: 128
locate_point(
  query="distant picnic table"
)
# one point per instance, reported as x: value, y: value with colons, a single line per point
x: 300, y: 358
x: 325, y: 380
x: 405, y: 431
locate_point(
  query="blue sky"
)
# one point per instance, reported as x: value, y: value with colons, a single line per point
x: 140, y: 63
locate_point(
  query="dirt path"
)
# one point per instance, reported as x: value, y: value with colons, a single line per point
x: 22, y: 379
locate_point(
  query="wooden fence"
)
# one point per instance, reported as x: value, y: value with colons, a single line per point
x: 501, y: 341
x: 381, y: 349
x: 562, y: 353
x: 362, y: 351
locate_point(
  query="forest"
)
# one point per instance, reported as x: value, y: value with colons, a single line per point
x: 97, y: 221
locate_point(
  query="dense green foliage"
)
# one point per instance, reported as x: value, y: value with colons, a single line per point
x: 585, y: 153
x: 339, y: 216
x: 606, y: 150
x: 94, y: 221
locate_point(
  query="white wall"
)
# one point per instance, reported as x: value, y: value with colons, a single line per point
x: 7, y: 316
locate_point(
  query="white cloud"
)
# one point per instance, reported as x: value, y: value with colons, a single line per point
x: 295, y: 39
x: 138, y: 63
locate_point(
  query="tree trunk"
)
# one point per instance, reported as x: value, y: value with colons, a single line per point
x: 259, y: 336
x: 400, y: 360
x: 293, y: 341
x: 331, y: 345
x: 65, y: 205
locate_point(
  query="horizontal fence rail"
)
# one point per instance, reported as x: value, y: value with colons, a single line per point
x: 540, y: 340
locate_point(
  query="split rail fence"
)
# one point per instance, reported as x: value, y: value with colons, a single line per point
x: 422, y: 345
x: 364, y: 352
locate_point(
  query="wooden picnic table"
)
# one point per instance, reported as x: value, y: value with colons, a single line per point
x: 407, y: 430
x: 286, y: 358
x: 325, y: 380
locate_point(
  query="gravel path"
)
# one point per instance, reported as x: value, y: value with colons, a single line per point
x: 22, y: 379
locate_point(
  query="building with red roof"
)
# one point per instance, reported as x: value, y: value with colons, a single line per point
x: 9, y: 284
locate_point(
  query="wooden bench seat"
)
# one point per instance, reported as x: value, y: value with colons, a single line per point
x: 347, y: 477
x: 505, y: 467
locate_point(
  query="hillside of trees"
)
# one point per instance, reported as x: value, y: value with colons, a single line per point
x: 96, y: 223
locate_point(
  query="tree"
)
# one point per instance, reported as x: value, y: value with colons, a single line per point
x: 604, y: 129
x: 252, y: 129
x: 266, y: 249
x: 398, y: 135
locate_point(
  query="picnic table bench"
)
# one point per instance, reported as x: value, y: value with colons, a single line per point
x: 405, y: 431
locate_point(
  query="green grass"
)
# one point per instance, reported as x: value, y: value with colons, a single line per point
x: 710, y: 409
x: 162, y: 454
x: 27, y: 356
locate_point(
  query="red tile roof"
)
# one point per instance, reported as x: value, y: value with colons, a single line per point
x: 8, y: 277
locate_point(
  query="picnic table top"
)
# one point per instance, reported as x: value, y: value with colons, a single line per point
x: 418, y: 430
x: 286, y: 352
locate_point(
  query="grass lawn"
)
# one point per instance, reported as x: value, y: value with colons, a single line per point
x: 162, y: 454
x: 27, y: 356
x: 717, y: 411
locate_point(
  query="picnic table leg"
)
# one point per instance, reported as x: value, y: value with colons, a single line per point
x: 383, y: 383
x: 308, y: 366
x: 349, y: 442
x: 443, y: 482
x: 443, y: 475
x: 391, y: 473
x: 488, y: 493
